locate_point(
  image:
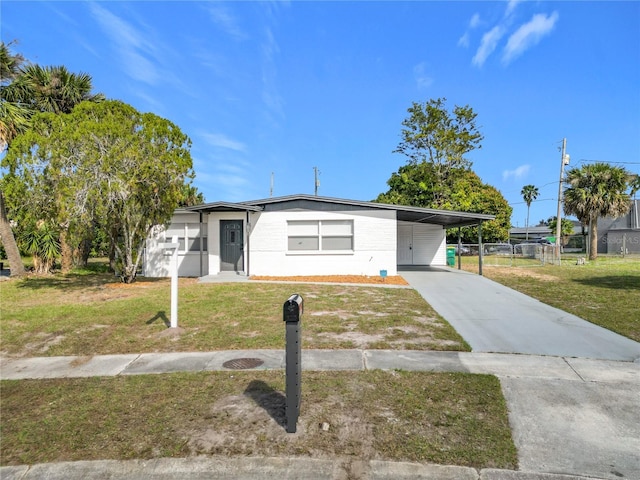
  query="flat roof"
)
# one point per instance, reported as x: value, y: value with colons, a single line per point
x: 446, y: 218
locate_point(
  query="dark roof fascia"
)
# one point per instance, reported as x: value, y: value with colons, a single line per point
x: 223, y: 207
x: 447, y: 218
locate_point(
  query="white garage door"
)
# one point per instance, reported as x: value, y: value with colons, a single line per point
x: 420, y: 244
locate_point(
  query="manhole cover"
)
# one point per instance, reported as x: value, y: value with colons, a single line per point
x: 242, y: 363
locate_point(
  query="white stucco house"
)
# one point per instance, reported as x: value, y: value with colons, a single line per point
x: 303, y: 235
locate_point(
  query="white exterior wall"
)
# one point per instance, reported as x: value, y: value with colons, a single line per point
x: 374, y: 245
x: 156, y: 263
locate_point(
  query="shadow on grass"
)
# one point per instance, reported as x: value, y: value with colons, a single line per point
x: 616, y: 282
x: 266, y: 397
x: 162, y: 315
x: 74, y: 281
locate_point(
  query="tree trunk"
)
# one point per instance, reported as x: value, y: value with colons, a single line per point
x: 593, y: 238
x: 66, y: 252
x: 9, y: 242
x: 81, y: 253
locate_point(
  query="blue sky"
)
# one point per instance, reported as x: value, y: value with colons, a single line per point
x: 282, y: 87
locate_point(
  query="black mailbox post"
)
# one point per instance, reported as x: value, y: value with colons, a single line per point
x: 292, y: 315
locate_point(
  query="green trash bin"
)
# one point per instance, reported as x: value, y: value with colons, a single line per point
x: 451, y: 256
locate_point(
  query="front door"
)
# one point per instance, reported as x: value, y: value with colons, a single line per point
x: 231, y: 246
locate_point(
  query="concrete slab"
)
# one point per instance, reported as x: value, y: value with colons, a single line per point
x: 193, y: 468
x: 412, y: 471
x: 606, y: 371
x: 332, y: 360
x: 148, y: 363
x: 491, y: 474
x: 509, y: 365
x: 494, y: 318
x: 60, y: 367
x: 13, y: 473
x: 414, y: 360
x: 575, y: 428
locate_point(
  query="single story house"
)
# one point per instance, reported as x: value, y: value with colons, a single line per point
x: 303, y: 235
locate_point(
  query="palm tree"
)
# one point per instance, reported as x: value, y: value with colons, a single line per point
x: 26, y: 90
x: 13, y: 120
x: 50, y: 89
x: 529, y: 194
x: 596, y: 190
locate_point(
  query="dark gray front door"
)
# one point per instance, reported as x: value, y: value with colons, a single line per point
x: 231, y: 246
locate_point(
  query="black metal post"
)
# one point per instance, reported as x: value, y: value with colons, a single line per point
x: 292, y: 315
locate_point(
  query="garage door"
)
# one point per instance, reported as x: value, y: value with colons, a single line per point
x: 420, y: 244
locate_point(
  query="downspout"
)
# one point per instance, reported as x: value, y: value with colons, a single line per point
x: 480, y: 249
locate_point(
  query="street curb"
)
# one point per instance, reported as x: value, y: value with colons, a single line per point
x: 258, y: 468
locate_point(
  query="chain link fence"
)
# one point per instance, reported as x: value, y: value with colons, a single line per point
x: 507, y: 255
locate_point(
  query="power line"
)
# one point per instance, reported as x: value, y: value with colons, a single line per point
x: 584, y: 160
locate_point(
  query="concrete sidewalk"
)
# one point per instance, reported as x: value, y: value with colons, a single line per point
x: 571, y: 418
x: 502, y: 365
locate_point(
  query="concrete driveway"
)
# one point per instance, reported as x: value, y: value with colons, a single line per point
x: 494, y: 318
x: 587, y: 426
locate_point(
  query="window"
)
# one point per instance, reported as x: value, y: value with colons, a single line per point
x: 320, y: 235
x: 188, y: 236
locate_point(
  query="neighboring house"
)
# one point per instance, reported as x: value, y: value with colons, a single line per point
x: 616, y: 234
x: 303, y: 235
x: 519, y: 234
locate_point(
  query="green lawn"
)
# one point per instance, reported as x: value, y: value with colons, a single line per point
x: 87, y: 314
x: 445, y: 418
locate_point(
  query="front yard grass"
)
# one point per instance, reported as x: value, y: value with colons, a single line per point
x: 91, y: 314
x: 444, y: 418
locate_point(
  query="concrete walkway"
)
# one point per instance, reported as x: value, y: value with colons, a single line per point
x: 494, y: 318
x: 571, y: 418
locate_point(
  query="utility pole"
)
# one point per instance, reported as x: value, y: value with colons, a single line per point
x: 271, y: 187
x: 317, y: 181
x: 563, y: 161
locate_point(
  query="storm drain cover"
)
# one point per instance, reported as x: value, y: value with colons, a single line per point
x: 243, y: 363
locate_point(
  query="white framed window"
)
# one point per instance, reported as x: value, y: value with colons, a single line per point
x: 320, y: 235
x: 188, y: 237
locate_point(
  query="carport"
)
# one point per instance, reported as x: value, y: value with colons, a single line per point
x: 447, y: 219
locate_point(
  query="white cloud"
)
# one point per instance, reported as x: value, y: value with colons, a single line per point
x: 488, y: 45
x: 511, y: 6
x: 528, y: 35
x: 423, y: 79
x: 227, y: 22
x: 463, y: 41
x: 130, y: 43
x: 475, y: 20
x: 270, y: 95
x: 220, y: 140
x: 473, y: 23
x: 517, y: 173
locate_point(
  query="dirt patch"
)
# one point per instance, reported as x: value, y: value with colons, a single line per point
x: 525, y: 272
x: 361, y: 279
x: 43, y: 342
x: 255, y: 424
